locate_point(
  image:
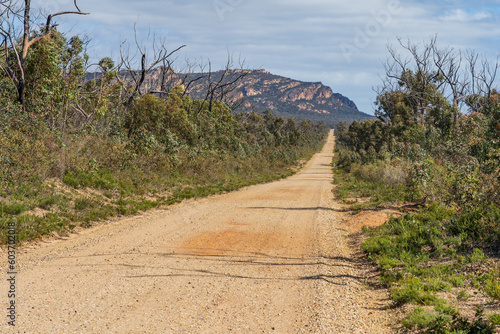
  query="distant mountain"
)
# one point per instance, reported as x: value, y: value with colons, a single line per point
x: 259, y: 90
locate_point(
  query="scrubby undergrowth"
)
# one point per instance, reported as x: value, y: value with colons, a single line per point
x: 441, y: 262
x: 54, y: 181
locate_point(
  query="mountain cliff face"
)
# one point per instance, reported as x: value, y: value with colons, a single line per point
x: 259, y: 90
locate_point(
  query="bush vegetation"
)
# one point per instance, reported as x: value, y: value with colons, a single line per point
x: 78, y: 149
x: 424, y: 149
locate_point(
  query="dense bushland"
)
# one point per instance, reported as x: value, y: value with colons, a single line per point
x: 82, y: 149
x: 441, y: 150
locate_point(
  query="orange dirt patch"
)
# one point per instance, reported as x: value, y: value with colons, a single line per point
x: 370, y: 218
x: 231, y: 242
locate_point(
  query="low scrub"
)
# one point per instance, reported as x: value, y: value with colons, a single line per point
x: 429, y: 257
x: 423, y: 256
x: 444, y: 156
x: 53, y: 181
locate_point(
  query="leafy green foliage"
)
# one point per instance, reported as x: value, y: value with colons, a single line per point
x: 55, y: 69
x: 164, y: 149
x: 75, y: 148
x: 419, y: 256
x: 439, y: 322
x: 447, y: 162
x: 12, y: 209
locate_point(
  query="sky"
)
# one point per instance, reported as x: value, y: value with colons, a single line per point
x: 342, y: 44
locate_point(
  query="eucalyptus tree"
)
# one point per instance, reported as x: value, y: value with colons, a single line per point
x: 20, y: 33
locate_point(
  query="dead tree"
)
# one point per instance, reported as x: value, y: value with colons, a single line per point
x: 133, y: 78
x: 94, y: 94
x: 414, y: 75
x: 221, y: 84
x: 149, y: 59
x: 428, y: 74
x: 456, y: 80
x: 15, y: 13
x: 483, y: 76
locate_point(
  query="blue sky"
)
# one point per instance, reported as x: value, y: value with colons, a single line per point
x: 340, y: 43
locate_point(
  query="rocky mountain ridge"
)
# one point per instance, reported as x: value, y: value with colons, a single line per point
x: 260, y: 90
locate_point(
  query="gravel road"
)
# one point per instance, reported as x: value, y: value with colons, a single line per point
x: 271, y: 258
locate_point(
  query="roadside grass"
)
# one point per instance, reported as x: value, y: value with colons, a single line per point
x: 15, y: 208
x: 364, y: 194
x: 436, y: 261
x: 57, y: 184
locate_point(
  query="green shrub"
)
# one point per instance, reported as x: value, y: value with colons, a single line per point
x: 476, y: 256
x: 378, y: 245
x: 494, y: 318
x: 492, y: 285
x: 456, y: 280
x: 482, y: 225
x: 420, y: 318
x: 84, y: 203
x: 412, y: 291
x: 463, y: 295
x: 49, y: 201
x: 12, y: 208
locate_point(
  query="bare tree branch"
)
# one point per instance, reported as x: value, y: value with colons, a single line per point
x: 9, y: 33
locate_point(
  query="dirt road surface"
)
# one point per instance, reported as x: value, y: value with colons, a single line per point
x: 271, y: 258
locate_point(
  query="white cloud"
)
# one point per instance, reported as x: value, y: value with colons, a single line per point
x: 460, y: 15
